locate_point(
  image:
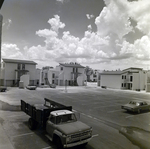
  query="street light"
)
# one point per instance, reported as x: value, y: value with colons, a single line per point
x: 66, y: 86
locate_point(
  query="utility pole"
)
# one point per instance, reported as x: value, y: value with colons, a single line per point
x: 1, y: 22
x: 1, y: 3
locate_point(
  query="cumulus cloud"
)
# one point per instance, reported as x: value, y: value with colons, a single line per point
x: 60, y: 1
x: 107, y: 45
x: 89, y: 16
x: 55, y: 23
x: 11, y: 51
x: 7, y: 23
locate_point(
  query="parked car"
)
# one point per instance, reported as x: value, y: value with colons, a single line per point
x: 31, y: 87
x: 136, y: 106
x: 3, y: 89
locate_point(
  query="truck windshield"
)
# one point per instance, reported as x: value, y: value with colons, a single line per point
x: 65, y: 118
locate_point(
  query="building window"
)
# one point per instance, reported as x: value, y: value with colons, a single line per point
x: 53, y: 81
x: 53, y: 75
x: 76, y: 69
x: 19, y: 66
x: 73, y: 70
x: 122, y: 84
x: 125, y: 85
x: 61, y: 68
x: 45, y: 75
x: 122, y: 77
x: 23, y: 66
x: 131, y: 78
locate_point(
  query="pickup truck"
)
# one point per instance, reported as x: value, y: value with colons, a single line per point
x: 60, y: 123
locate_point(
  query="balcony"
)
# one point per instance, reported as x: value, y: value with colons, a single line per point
x: 127, y: 80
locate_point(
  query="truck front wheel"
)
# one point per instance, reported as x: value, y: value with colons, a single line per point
x: 58, y: 143
x: 32, y: 123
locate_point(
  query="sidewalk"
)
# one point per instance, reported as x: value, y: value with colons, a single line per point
x: 4, y: 140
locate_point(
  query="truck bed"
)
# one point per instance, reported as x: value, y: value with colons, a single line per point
x: 40, y: 112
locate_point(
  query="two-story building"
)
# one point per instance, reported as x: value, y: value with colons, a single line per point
x: 94, y: 75
x: 13, y: 69
x: 49, y: 75
x: 131, y: 78
x: 71, y: 74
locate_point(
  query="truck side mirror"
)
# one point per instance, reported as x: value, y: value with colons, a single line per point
x: 77, y: 114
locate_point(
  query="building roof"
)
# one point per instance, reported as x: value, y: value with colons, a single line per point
x: 133, y: 68
x: 76, y: 65
x: 18, y: 61
x: 111, y: 73
x: 119, y: 72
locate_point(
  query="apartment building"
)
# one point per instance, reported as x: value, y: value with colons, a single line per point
x: 130, y: 78
x: 49, y: 75
x: 94, y: 76
x: 133, y: 79
x: 13, y: 69
x: 71, y: 74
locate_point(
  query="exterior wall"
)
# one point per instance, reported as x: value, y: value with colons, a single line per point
x: 25, y: 79
x: 32, y: 71
x: 81, y: 80
x: 10, y: 74
x: 111, y: 81
x: 71, y: 76
x: 147, y: 81
x: 38, y: 77
x: 9, y: 71
x: 60, y: 74
x: 1, y: 23
x: 137, y: 83
x: 52, y: 76
x: 94, y: 76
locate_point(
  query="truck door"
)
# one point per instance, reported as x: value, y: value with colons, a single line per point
x: 50, y: 125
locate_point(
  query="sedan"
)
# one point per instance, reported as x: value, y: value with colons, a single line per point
x: 136, y: 106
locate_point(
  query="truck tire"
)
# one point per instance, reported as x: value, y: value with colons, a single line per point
x: 32, y: 124
x: 59, y: 143
x: 139, y: 111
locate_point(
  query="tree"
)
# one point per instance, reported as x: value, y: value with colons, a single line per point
x: 88, y: 72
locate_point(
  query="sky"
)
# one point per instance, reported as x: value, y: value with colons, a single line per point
x: 102, y: 34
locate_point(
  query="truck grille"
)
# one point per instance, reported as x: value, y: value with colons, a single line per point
x: 80, y: 136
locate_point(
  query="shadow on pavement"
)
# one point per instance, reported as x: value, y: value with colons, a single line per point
x: 7, y: 107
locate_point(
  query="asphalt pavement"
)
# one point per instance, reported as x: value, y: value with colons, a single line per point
x: 10, y: 100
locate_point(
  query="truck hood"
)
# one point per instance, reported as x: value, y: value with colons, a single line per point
x: 74, y: 127
x: 130, y: 106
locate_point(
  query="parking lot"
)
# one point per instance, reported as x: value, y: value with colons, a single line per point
x: 99, y: 108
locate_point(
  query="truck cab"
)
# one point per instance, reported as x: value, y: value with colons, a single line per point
x: 64, y: 128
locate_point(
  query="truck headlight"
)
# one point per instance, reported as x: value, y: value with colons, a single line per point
x: 68, y: 139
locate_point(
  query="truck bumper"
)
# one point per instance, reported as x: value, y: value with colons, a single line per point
x: 77, y: 143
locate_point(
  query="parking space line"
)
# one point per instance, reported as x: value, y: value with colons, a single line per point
x: 25, y: 134
x: 96, y: 135
x: 47, y: 147
x: 113, y: 111
x: 130, y: 116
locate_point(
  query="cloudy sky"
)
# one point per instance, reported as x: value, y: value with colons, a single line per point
x: 102, y: 34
